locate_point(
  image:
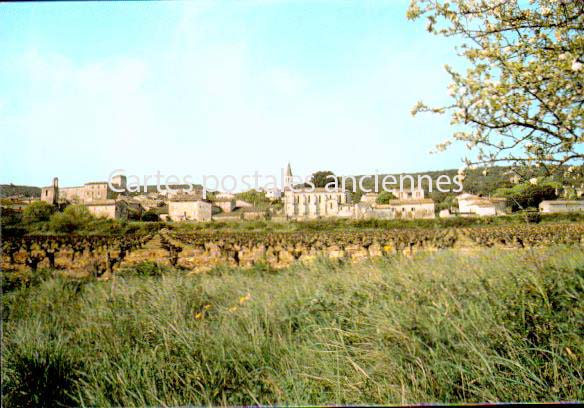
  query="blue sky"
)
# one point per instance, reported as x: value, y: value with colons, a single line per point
x: 218, y: 88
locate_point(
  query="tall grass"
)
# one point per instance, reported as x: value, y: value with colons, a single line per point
x: 445, y: 327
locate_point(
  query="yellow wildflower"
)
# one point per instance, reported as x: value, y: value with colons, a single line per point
x: 244, y: 299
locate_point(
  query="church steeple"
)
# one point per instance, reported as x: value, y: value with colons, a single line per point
x: 288, y: 178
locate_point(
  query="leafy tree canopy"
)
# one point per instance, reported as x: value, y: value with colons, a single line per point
x: 73, y: 218
x: 257, y: 198
x: 37, y: 211
x: 521, y: 100
x: 384, y: 197
x: 524, y: 196
x: 322, y: 178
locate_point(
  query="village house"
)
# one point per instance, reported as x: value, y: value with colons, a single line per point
x: 561, y: 206
x: 175, y: 190
x: 410, y: 208
x: 112, y: 209
x: 470, y: 204
x: 405, y: 194
x: 397, y: 209
x: 189, y: 208
x: 226, y: 204
x: 369, y: 198
x: 409, y: 194
x: 147, y: 202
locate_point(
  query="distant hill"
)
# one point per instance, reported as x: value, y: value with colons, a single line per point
x: 483, y: 181
x: 7, y: 190
x: 475, y: 181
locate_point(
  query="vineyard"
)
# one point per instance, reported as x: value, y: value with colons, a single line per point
x: 94, y: 253
x: 103, y: 254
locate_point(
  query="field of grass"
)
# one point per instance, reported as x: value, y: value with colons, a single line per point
x: 490, y: 325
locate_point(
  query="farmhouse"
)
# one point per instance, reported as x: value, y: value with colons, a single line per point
x: 397, y: 209
x: 558, y: 206
x: 113, y: 209
x: 187, y: 208
x: 227, y: 204
x: 471, y: 204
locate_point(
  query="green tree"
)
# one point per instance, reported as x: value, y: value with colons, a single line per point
x: 257, y: 198
x: 73, y: 218
x: 520, y: 101
x: 384, y: 197
x: 321, y: 178
x: 524, y: 196
x: 37, y: 212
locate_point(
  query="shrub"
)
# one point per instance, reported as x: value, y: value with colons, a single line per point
x: 74, y: 218
x: 150, y: 216
x: 384, y: 197
x: 37, y: 212
x: 533, y: 217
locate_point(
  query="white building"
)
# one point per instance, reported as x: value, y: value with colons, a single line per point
x: 397, y: 209
x: 559, y: 206
x: 471, y: 204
